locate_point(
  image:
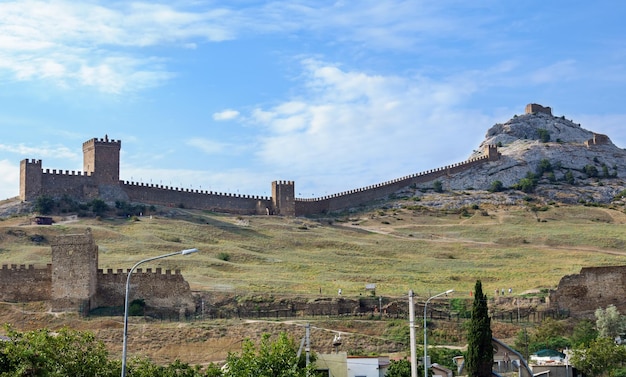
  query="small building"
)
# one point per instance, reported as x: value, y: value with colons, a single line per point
x: 43, y: 220
x: 440, y: 371
x: 365, y: 366
x: 341, y: 365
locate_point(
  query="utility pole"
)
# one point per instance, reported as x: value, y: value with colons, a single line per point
x: 412, y: 335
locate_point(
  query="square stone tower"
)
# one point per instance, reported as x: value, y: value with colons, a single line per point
x: 283, y: 198
x: 74, y: 271
x: 101, y: 159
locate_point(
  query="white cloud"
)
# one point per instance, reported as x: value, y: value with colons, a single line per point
x: 60, y: 152
x: 557, y: 72
x: 355, y: 125
x: 207, y: 146
x: 78, y: 44
x: 9, y: 179
x: 227, y: 114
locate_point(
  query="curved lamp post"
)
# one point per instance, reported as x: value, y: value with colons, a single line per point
x: 426, y: 363
x: 182, y: 252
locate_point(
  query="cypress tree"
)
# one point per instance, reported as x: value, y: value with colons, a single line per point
x: 479, y: 360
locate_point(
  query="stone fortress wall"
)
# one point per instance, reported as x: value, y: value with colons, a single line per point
x: 18, y: 282
x: 73, y: 282
x: 100, y: 179
x: 592, y: 288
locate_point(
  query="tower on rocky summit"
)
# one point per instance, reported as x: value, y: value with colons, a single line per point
x: 536, y: 108
x: 101, y: 159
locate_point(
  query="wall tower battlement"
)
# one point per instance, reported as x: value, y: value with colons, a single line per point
x: 73, y: 282
x: 101, y: 157
x: 100, y: 179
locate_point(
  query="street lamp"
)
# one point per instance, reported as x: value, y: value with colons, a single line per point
x: 182, y: 252
x: 426, y: 363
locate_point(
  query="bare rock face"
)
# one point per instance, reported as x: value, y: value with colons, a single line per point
x: 529, y: 141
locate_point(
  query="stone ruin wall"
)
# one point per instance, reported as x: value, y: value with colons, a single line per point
x: 597, y: 139
x: 536, y: 108
x: 21, y: 283
x: 594, y: 287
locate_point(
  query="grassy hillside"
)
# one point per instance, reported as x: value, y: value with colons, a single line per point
x: 397, y: 249
x: 405, y: 246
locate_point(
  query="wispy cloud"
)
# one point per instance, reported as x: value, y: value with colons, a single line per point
x: 207, y: 146
x: 86, y: 44
x: 60, y: 152
x: 357, y: 123
x: 9, y: 175
x: 227, y: 114
x: 102, y: 45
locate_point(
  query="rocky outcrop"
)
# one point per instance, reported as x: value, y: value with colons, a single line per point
x: 528, y: 140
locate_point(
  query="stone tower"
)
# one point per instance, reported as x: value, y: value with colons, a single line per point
x: 74, y: 271
x: 101, y: 159
x: 283, y: 198
x: 31, y: 179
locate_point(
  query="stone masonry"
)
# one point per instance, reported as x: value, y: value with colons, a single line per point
x: 73, y: 282
x: 100, y: 179
x: 593, y: 288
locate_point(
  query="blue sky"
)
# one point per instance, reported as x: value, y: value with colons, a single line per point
x: 228, y: 96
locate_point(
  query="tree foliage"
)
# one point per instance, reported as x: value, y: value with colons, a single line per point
x: 479, y: 357
x: 399, y: 368
x: 438, y: 186
x: 496, y: 186
x: 584, y: 332
x: 609, y: 322
x: 601, y: 357
x: 43, y: 353
x: 544, y: 135
x: 44, y: 204
x: 272, y: 359
x: 64, y: 353
x: 549, y: 335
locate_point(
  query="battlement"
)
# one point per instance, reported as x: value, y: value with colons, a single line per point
x: 158, y: 272
x: 193, y: 191
x: 285, y: 183
x: 71, y: 173
x: 22, y: 267
x: 32, y: 162
x: 491, y: 153
x: 100, y: 178
x: 102, y: 141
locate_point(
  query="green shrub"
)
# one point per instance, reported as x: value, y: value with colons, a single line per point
x: 496, y: 186
x: 223, y: 256
x: 137, y: 307
x: 438, y: 186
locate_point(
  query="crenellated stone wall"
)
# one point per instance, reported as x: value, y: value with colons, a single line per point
x: 100, y: 179
x: 164, y: 291
x: 21, y: 283
x: 73, y: 282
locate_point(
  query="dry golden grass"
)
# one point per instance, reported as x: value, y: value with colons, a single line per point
x: 396, y: 249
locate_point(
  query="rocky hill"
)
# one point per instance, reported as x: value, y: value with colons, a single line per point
x: 570, y: 164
